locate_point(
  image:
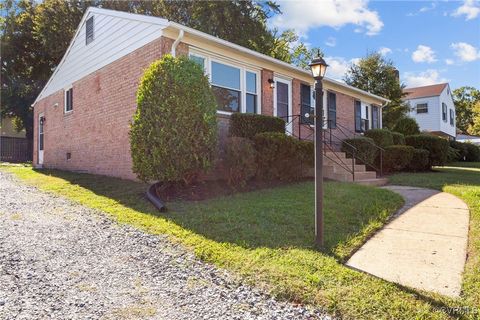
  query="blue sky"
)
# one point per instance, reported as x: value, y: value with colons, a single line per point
x: 429, y: 41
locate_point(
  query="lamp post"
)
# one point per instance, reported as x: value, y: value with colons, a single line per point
x: 318, y: 68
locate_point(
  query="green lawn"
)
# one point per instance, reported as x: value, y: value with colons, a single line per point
x: 463, y: 180
x: 267, y: 238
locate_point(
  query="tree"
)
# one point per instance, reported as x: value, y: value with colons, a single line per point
x: 379, y: 76
x: 474, y: 127
x: 465, y: 99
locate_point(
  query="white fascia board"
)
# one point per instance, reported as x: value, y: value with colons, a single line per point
x: 270, y: 59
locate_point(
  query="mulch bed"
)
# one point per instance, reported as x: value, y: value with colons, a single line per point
x: 216, y: 188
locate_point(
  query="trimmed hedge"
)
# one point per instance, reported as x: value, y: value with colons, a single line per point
x: 173, y: 136
x: 248, y: 125
x: 397, y: 157
x: 407, y: 126
x: 366, y: 149
x: 307, y: 152
x: 240, y: 161
x: 419, y: 160
x: 382, y: 137
x: 279, y: 156
x: 436, y: 146
x: 398, y: 138
x: 472, y: 152
x: 466, y: 151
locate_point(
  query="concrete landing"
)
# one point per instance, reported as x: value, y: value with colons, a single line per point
x: 424, y: 246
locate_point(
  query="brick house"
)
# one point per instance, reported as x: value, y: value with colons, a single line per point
x: 83, y: 114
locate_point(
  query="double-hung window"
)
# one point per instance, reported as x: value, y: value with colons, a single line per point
x: 375, y: 117
x: 251, y: 92
x: 68, y: 100
x: 422, y: 108
x: 358, y: 116
x: 444, y: 112
x: 236, y: 88
x: 452, y: 117
x: 332, y: 110
x: 226, y: 87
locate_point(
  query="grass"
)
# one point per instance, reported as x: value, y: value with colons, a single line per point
x: 463, y: 180
x: 267, y: 238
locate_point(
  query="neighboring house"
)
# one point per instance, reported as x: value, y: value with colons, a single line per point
x: 468, y: 138
x: 433, y: 108
x: 83, y: 114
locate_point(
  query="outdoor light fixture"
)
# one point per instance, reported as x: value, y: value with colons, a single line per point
x: 42, y: 120
x: 272, y: 83
x: 319, y: 68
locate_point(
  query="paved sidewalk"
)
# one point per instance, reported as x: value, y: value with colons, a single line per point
x: 424, y: 246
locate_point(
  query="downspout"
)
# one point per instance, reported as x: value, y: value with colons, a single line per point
x: 177, y: 41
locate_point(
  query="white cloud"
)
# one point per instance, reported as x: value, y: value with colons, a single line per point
x: 424, y: 54
x: 425, y: 78
x: 384, y: 51
x: 303, y: 15
x: 338, y: 66
x: 466, y: 52
x: 331, y: 42
x: 432, y: 6
x: 469, y: 8
x: 449, y: 62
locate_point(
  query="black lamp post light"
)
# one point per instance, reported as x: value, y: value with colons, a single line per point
x: 318, y: 67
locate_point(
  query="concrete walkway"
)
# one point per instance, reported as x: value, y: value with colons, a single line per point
x: 424, y: 246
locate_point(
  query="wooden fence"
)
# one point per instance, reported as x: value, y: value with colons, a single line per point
x: 15, y: 149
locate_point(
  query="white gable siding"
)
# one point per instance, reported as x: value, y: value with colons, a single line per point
x: 432, y: 121
x: 114, y: 37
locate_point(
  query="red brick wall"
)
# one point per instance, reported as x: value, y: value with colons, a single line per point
x: 96, y: 131
x: 267, y: 93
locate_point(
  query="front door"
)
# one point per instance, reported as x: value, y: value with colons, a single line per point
x: 283, y: 102
x: 41, y: 122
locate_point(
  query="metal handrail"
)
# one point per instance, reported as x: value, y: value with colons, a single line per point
x: 381, y: 150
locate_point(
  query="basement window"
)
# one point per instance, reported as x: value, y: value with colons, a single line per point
x: 89, y: 31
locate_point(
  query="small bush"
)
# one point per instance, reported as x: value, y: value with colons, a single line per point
x: 419, y: 160
x: 239, y: 161
x: 472, y: 152
x: 173, y: 136
x: 247, y: 125
x: 278, y: 156
x: 398, y: 138
x: 366, y: 149
x: 461, y: 150
x: 466, y: 151
x: 453, y: 154
x: 436, y: 146
x: 397, y: 157
x: 407, y: 126
x: 382, y: 137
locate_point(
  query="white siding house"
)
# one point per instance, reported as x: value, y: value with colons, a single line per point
x: 433, y: 108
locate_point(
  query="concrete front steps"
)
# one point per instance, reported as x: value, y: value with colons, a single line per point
x: 336, y: 166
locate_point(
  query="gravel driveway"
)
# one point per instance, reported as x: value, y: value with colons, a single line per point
x: 61, y: 260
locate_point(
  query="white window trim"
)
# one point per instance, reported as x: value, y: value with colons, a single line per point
x: 65, y: 90
x: 210, y: 57
x: 289, y: 82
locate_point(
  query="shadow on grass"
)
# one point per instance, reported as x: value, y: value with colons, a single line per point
x: 282, y: 217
